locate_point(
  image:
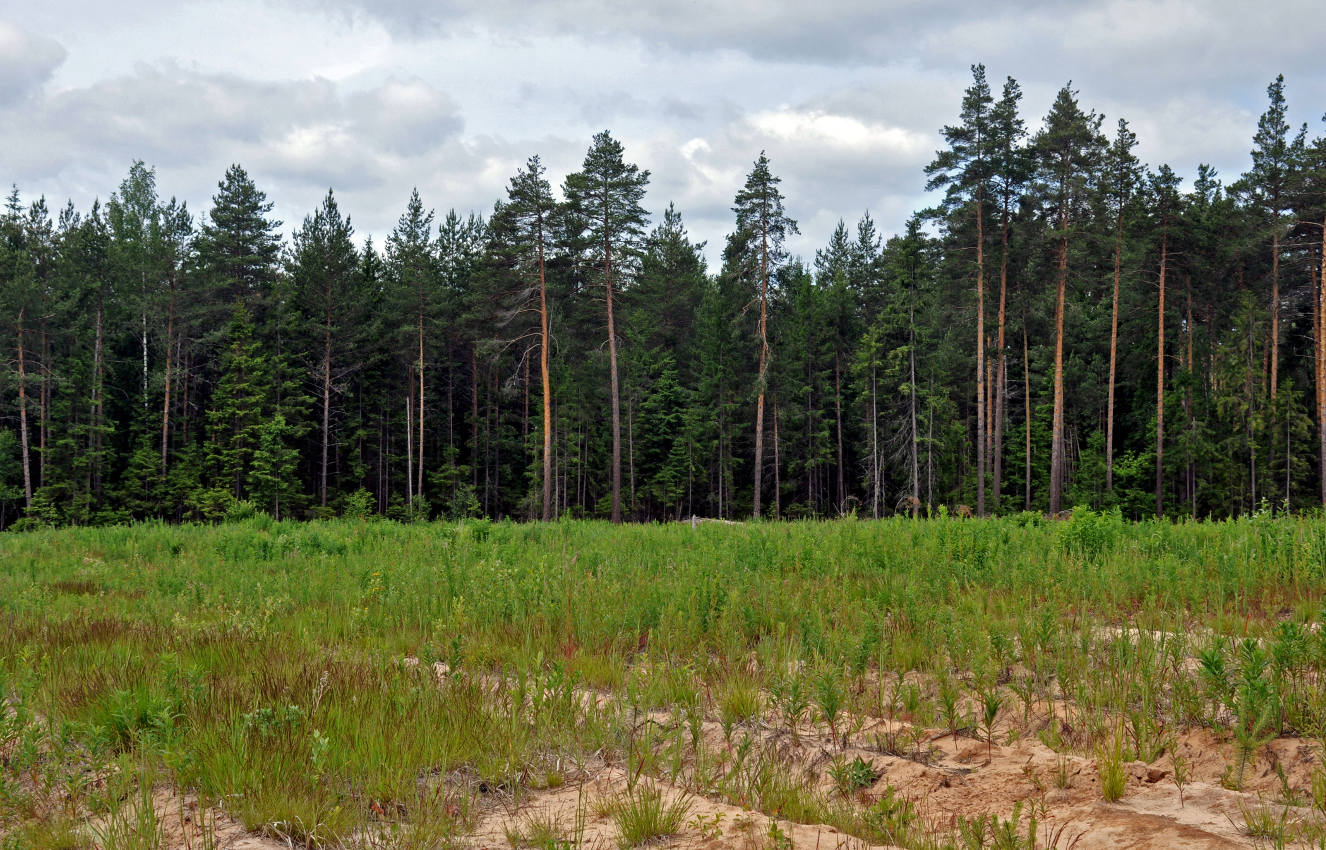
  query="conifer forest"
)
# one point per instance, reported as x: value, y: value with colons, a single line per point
x: 1067, y: 325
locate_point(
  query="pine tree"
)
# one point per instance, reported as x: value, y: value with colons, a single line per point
x: 761, y: 219
x: 412, y: 275
x: 1266, y: 186
x: 531, y: 208
x: 1010, y: 169
x: 1121, y: 175
x: 965, y: 169
x: 1164, y: 189
x: 1068, y: 150
x: 604, y: 198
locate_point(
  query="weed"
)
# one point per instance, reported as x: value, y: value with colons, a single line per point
x: 852, y: 776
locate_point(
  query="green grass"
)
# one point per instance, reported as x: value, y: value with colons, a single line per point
x: 643, y: 814
x: 262, y: 664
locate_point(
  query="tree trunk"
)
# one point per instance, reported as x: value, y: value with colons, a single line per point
x: 838, y: 414
x: 97, y: 408
x: 630, y: 451
x: 911, y: 404
x: 1057, y: 431
x: 23, y: 417
x: 474, y: 416
x: 1251, y: 437
x: 45, y: 402
x: 1114, y: 353
x: 144, y: 341
x: 1321, y: 361
x: 1026, y: 405
x: 764, y: 362
x: 1160, y: 381
x: 980, y: 356
x: 165, y: 405
x: 419, y: 482
x: 409, y: 438
x: 1001, y: 374
x: 1188, y: 409
x: 778, y: 483
x: 547, y: 381
x: 326, y: 408
x: 874, y: 442
x: 1275, y: 310
x: 613, y: 380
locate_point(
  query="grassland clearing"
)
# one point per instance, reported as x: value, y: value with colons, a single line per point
x: 922, y: 684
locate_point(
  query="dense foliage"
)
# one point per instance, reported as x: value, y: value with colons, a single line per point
x: 1067, y: 326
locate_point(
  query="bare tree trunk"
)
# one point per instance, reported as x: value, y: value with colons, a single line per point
x: 778, y: 483
x: 144, y: 342
x: 874, y: 443
x: 1026, y: 406
x: 1252, y: 443
x: 419, y: 483
x: 930, y: 452
x: 764, y: 362
x: 23, y: 416
x: 1114, y: 353
x: 409, y: 439
x: 630, y: 450
x: 1057, y: 431
x: 170, y: 342
x: 1188, y: 407
x: 838, y: 413
x: 1321, y: 360
x: 97, y: 404
x: 613, y: 380
x: 1160, y: 381
x: 45, y: 401
x: 474, y: 416
x: 546, y: 377
x: 911, y: 404
x: 326, y: 407
x: 980, y: 355
x: 1275, y: 309
x: 1001, y: 373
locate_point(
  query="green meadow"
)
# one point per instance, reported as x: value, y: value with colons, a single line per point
x: 352, y: 683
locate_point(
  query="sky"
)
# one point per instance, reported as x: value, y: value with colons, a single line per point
x: 847, y: 97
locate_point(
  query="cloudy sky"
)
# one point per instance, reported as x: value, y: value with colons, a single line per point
x: 847, y: 97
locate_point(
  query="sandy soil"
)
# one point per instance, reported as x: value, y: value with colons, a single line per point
x: 945, y: 777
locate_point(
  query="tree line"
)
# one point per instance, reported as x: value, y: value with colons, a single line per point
x: 1066, y: 326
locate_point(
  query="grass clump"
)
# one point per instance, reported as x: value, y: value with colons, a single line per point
x: 644, y: 814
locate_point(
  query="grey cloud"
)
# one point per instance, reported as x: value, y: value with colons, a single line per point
x: 768, y: 30
x: 26, y: 62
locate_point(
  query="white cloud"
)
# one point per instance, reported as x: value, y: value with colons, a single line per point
x: 452, y: 96
x: 26, y: 62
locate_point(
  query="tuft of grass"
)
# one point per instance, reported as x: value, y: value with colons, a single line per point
x: 1266, y: 823
x: 739, y: 701
x: 645, y: 815
x: 538, y: 831
x: 1109, y: 764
